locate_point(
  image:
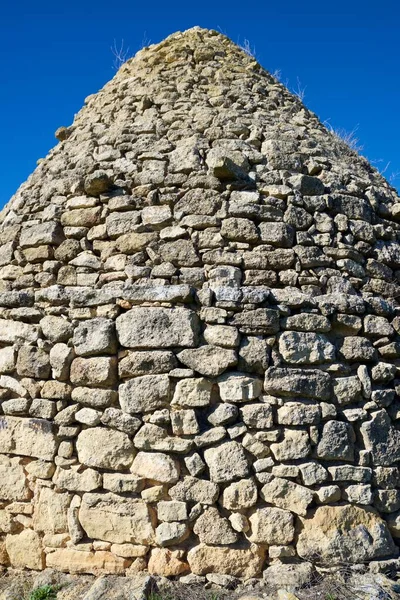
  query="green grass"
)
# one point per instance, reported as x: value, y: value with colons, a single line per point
x: 44, y: 592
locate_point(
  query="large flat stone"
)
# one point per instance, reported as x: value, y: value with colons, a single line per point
x: 144, y: 394
x: 111, y: 518
x: 306, y: 383
x: 104, y: 448
x: 238, y: 562
x: 148, y: 327
x: 344, y: 534
x: 27, y: 437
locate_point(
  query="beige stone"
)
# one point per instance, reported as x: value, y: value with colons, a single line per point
x: 192, y: 392
x: 214, y: 529
x: 25, y: 550
x: 51, y: 511
x: 155, y: 466
x: 167, y: 563
x: 271, y: 525
x: 96, y: 371
x: 77, y: 562
x: 240, y: 494
x: 13, y: 484
x: 239, y: 562
x: 117, y: 519
x: 104, y: 448
x: 288, y: 495
x: 337, y: 534
x: 27, y: 437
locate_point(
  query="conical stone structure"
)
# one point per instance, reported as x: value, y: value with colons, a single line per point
x: 199, y: 340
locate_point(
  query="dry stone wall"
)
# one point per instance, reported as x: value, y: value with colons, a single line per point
x: 199, y: 361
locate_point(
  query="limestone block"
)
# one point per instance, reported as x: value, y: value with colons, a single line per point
x: 240, y: 230
x: 271, y: 525
x: 299, y: 413
x: 208, y: 360
x: 51, y: 511
x: 117, y: 519
x: 33, y: 362
x: 13, y: 484
x: 153, y: 362
x: 155, y: 466
x: 152, y: 437
x: 25, y: 550
x: 214, y: 529
x: 284, y: 576
x: 191, y: 489
x: 239, y: 387
x: 12, y: 331
x: 347, y: 390
x: 120, y: 223
x: 222, y: 335
x: 118, y: 419
x: 240, y: 494
x: 192, y: 392
x: 99, y: 370
x: 288, y: 495
x: 76, y: 562
x: 168, y: 534
x: 184, y: 422
x: 307, y: 322
x: 167, y: 563
x: 257, y: 416
x: 95, y: 336
x: 381, y: 439
x: 7, y: 359
x: 49, y: 232
x: 104, y: 448
x: 357, y: 349
x: 223, y: 413
x: 172, y: 510
x: 280, y: 235
x: 306, y: 383
x: 350, y: 534
x: 226, y: 462
x: 56, y: 329
x: 76, y: 481
x: 144, y: 394
x: 295, y: 445
x: 61, y: 357
x: 122, y: 483
x: 238, y: 562
x: 27, y: 437
x: 129, y: 243
x: 336, y: 442
x: 305, y: 348
x: 313, y: 473
x: 260, y: 321
x: 151, y: 327
x: 254, y: 353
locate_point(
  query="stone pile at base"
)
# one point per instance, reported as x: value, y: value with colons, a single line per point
x: 199, y: 340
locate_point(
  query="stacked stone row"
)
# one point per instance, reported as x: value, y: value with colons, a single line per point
x: 199, y: 341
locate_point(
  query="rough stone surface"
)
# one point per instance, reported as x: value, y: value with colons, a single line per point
x: 338, y: 534
x: 199, y: 340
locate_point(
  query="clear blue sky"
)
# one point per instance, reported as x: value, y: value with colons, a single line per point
x: 55, y: 53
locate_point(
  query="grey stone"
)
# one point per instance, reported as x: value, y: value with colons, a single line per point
x: 226, y: 462
x: 144, y: 394
x: 157, y: 328
x: 336, y: 442
x: 306, y: 383
x: 95, y: 336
